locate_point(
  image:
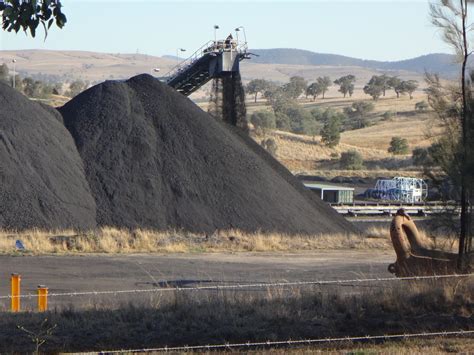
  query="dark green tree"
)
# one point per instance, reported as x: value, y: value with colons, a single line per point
x: 358, y: 114
x: 31, y: 87
x: 351, y: 160
x: 313, y: 90
x: 384, y: 81
x: 76, y: 87
x: 395, y: 84
x: 409, y: 87
x: 312, y: 127
x: 317, y: 114
x: 58, y: 89
x: 422, y: 106
x: 298, y: 116
x: 331, y: 132
x: 256, y: 86
x: 279, y: 100
x: 295, y: 87
x: 374, y: 87
x: 387, y: 115
x: 270, y: 146
x: 264, y: 120
x: 282, y: 121
x: 27, y: 15
x: 324, y: 82
x: 346, y: 84
x: 422, y: 157
x: 398, y: 146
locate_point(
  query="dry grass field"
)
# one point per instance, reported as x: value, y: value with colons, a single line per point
x: 113, y: 240
x: 120, y: 241
x: 305, y: 154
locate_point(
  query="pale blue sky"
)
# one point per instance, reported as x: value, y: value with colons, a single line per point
x: 383, y: 29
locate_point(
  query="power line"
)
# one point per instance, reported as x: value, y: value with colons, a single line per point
x: 297, y: 342
x: 245, y: 286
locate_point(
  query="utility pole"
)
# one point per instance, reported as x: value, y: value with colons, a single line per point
x: 14, y: 72
x: 216, y: 27
x: 177, y: 53
x: 465, y: 181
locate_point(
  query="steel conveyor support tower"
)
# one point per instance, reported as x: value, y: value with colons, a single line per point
x: 213, y: 60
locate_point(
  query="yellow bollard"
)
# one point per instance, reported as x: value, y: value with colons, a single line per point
x: 42, y: 298
x: 15, y: 292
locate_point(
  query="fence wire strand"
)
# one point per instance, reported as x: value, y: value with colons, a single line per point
x: 296, y: 342
x: 262, y: 285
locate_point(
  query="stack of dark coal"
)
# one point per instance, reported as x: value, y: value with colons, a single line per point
x: 42, y: 182
x: 151, y: 159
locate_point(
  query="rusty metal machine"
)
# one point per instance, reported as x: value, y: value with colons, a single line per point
x: 414, y: 255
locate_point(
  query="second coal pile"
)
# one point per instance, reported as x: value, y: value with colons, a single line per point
x: 42, y: 182
x: 153, y: 159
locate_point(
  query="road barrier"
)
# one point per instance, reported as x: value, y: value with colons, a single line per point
x: 42, y: 298
x: 16, y: 296
x: 15, y: 282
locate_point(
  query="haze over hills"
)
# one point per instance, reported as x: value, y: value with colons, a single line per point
x: 272, y: 64
x: 440, y: 63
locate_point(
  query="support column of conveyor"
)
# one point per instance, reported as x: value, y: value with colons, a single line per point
x: 213, y: 60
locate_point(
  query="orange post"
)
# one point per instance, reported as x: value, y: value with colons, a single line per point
x: 15, y: 292
x: 42, y: 298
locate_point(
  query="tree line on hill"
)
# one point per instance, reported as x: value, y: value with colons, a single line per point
x: 297, y: 86
x: 40, y: 89
x: 288, y: 115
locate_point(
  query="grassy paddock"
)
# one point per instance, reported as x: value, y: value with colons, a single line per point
x: 113, y: 240
x: 200, y: 318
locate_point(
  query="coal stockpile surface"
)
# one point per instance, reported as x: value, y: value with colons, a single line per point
x: 153, y: 159
x: 42, y: 181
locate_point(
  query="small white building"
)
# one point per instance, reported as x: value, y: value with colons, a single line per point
x: 331, y: 193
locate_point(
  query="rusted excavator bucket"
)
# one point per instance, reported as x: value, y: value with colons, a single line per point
x: 414, y: 257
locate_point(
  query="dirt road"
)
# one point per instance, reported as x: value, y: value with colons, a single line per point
x: 122, y: 272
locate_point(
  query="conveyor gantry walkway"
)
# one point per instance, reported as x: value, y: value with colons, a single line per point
x: 213, y: 60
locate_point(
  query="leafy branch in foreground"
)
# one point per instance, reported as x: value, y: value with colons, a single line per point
x: 28, y: 14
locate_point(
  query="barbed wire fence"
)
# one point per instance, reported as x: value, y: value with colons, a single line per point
x: 263, y: 286
x: 295, y: 342
x: 259, y: 285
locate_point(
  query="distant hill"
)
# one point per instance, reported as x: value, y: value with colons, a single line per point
x: 440, y: 63
x: 61, y: 66
x: 272, y: 64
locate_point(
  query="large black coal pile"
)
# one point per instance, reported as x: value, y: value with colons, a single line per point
x: 154, y: 159
x: 42, y: 182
